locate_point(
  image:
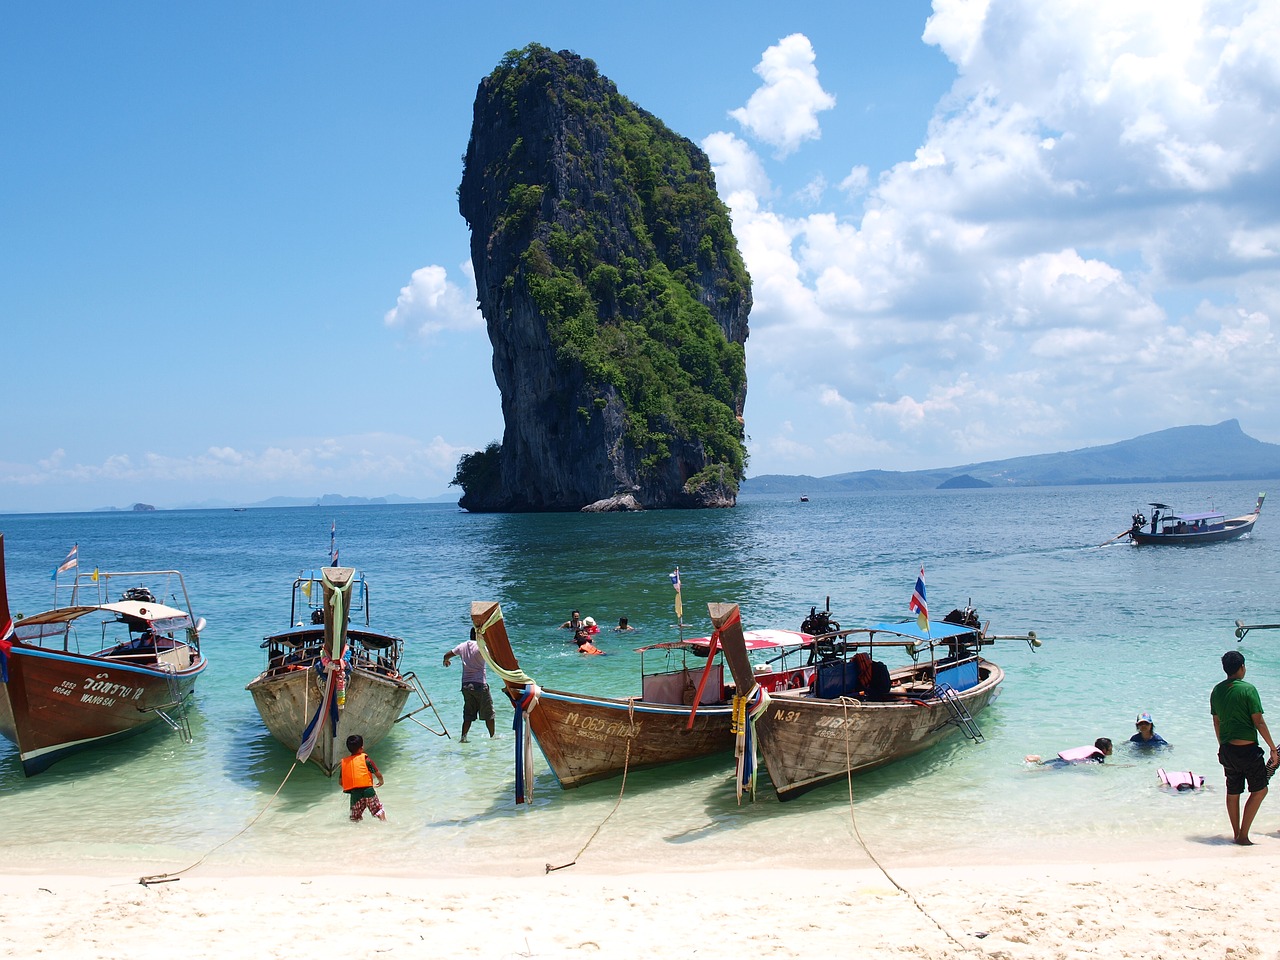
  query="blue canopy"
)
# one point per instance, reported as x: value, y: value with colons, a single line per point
x: 938, y: 630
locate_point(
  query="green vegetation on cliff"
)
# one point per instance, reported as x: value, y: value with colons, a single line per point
x: 620, y: 241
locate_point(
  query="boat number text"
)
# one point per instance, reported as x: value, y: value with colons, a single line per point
x: 596, y: 728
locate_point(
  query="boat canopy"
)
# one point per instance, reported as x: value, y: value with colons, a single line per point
x: 755, y: 640
x: 1215, y: 516
x: 53, y: 622
x: 938, y: 630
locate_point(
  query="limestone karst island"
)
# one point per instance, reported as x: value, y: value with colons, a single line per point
x: 614, y: 295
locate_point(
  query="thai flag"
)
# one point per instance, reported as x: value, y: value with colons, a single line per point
x: 333, y: 544
x: 918, y: 604
x: 73, y: 560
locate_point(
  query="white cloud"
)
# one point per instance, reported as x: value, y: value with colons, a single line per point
x: 431, y: 303
x: 784, y: 111
x: 1083, y: 246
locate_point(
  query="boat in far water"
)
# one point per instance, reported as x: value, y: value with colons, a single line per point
x: 325, y: 678
x: 97, y: 670
x: 1171, y: 528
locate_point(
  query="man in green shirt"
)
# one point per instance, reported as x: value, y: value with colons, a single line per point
x: 1237, y: 721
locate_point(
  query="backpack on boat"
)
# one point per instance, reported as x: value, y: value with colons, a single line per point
x: 1180, y: 779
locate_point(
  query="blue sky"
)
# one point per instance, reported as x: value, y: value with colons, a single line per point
x: 232, y: 264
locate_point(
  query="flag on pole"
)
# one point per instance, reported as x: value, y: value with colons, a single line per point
x: 918, y: 604
x: 333, y: 544
x: 675, y: 582
x: 71, y: 562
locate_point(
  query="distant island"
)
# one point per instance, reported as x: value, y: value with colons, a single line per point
x: 1177, y: 455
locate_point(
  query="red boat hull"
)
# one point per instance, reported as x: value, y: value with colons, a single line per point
x: 57, y: 703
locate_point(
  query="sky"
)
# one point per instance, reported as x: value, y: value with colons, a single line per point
x: 232, y: 265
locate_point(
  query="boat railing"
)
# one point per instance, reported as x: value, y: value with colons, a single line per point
x: 1243, y: 628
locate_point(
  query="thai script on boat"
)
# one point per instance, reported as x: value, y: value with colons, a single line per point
x: 103, y: 691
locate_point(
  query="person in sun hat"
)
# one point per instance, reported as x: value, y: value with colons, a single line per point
x: 1146, y: 735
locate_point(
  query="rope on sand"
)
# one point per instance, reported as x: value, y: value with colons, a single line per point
x: 848, y: 764
x: 170, y: 877
x: 626, y: 762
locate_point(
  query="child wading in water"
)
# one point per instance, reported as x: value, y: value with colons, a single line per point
x: 358, y: 775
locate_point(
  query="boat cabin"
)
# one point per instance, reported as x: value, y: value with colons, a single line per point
x: 1179, y: 523
x: 672, y: 673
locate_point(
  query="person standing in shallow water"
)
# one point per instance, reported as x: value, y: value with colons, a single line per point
x: 476, y: 699
x: 1237, y: 722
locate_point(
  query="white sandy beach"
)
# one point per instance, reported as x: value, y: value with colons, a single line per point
x: 1216, y: 903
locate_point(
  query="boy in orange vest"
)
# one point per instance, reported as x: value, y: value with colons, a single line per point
x: 358, y: 775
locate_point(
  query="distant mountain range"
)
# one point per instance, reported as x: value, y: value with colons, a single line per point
x: 1180, y: 454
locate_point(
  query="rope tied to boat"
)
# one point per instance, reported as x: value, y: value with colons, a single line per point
x: 846, y: 702
x: 170, y: 877
x: 626, y: 764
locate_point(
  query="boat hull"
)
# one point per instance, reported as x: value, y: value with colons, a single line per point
x: 58, y: 703
x: 585, y: 738
x: 1232, y: 529
x: 287, y: 700
x: 806, y: 742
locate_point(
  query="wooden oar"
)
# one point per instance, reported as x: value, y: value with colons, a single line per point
x: 1122, y: 533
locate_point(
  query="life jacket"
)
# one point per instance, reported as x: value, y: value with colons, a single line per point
x: 355, y: 772
x: 1181, y: 779
x: 589, y: 648
x: 1076, y: 754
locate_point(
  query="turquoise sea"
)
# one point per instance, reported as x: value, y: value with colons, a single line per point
x: 1125, y: 629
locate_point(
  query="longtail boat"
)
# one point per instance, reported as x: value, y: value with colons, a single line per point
x: 97, y: 670
x: 325, y: 678
x: 858, y: 714
x: 1176, y: 528
x: 585, y: 737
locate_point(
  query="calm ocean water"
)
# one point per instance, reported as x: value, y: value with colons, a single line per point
x: 1125, y: 630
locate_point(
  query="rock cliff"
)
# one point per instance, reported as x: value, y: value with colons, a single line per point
x: 614, y: 295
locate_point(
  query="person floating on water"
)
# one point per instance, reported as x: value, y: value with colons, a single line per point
x: 583, y: 640
x: 573, y: 623
x: 1097, y: 753
x: 1146, y: 735
x: 623, y: 626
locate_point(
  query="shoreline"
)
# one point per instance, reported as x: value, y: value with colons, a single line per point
x: 1169, y: 908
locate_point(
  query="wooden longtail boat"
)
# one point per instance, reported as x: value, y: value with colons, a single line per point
x: 585, y: 737
x: 815, y: 736
x: 138, y: 666
x: 326, y: 679
x: 1185, y: 529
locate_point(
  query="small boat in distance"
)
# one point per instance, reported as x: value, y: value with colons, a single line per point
x: 97, y: 670
x: 859, y: 714
x: 1170, y: 528
x: 325, y: 679
x: 683, y: 711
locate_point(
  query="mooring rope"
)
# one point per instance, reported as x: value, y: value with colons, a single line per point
x: 626, y: 762
x: 853, y: 821
x: 170, y: 877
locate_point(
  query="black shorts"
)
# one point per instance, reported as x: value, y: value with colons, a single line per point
x: 1243, y: 763
x: 476, y: 702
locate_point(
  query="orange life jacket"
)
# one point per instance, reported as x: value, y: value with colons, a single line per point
x: 355, y: 772
x: 589, y: 648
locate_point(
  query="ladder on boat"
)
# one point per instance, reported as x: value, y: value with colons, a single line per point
x: 412, y: 679
x: 960, y: 714
x: 174, y: 713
